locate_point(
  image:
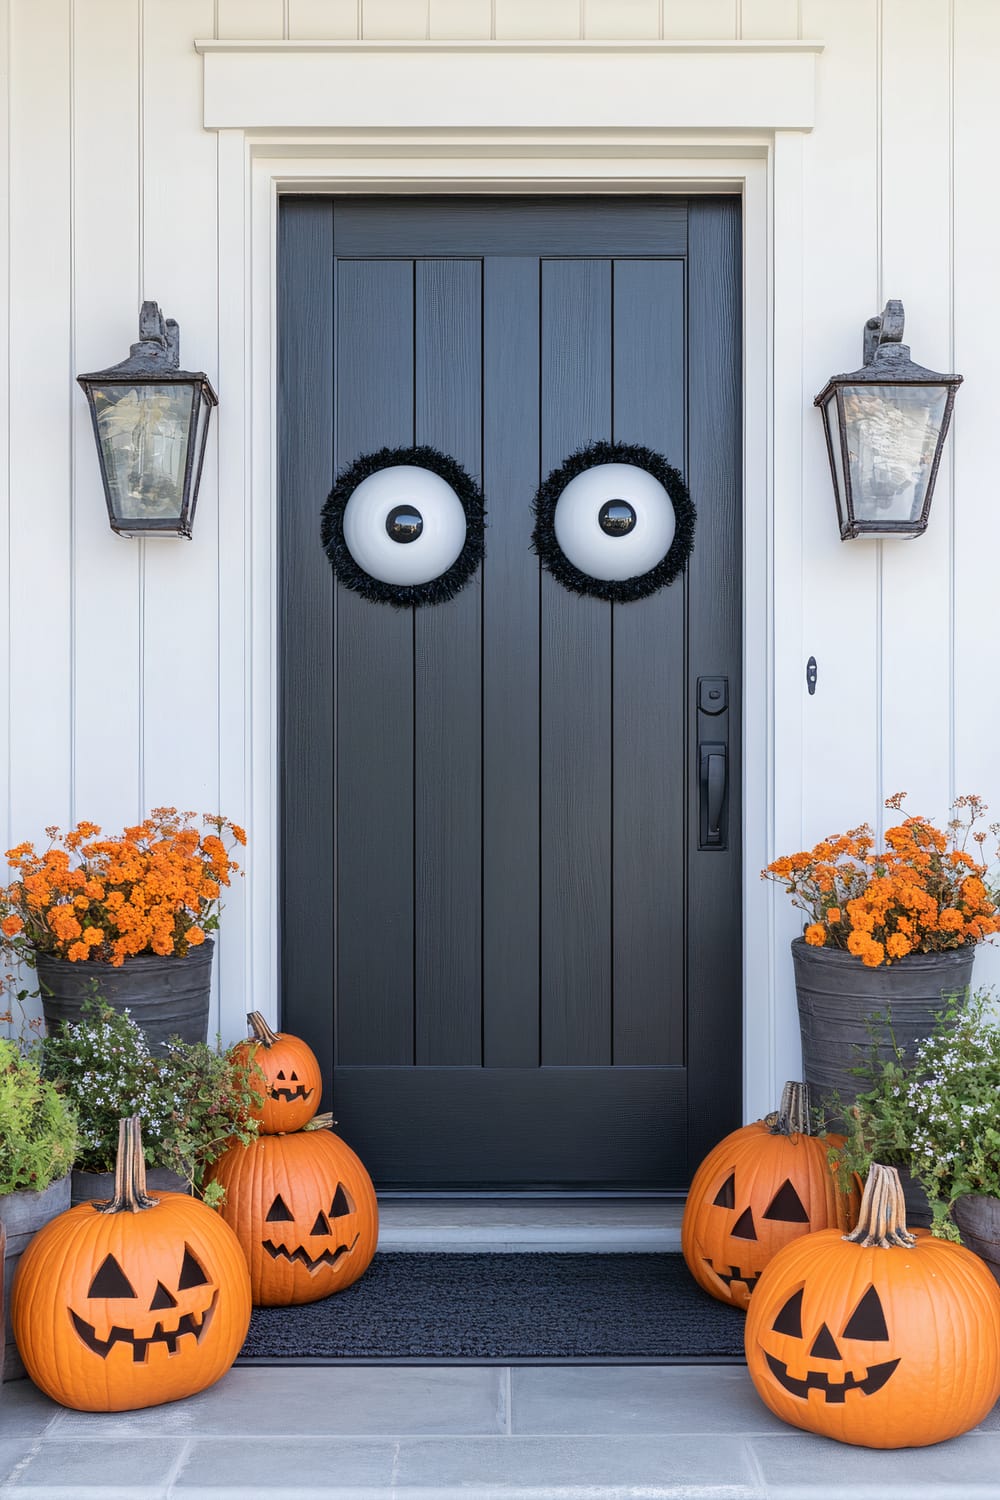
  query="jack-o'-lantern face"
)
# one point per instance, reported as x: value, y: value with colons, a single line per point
x: 145, y: 1316
x: 289, y: 1088
x: 286, y: 1075
x: 832, y: 1363
x: 330, y: 1240
x: 752, y: 1195
x: 304, y: 1211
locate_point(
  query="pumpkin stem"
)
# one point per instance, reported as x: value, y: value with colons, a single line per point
x: 882, y: 1220
x: 130, y: 1172
x: 320, y: 1122
x: 793, y: 1116
x: 260, y: 1030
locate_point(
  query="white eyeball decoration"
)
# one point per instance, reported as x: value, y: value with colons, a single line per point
x: 614, y: 521
x: 404, y: 526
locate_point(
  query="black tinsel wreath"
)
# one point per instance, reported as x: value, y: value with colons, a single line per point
x: 403, y: 596
x: 615, y: 590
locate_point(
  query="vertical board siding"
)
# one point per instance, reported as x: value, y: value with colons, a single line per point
x: 248, y: 20
x: 841, y: 775
x: 576, y: 689
x: 447, y: 688
x: 700, y: 20
x: 386, y: 20
x: 972, y: 459
x: 6, y: 725
x: 41, y: 430
x: 107, y: 631
x: 323, y: 20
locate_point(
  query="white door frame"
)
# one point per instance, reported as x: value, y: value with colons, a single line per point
x: 764, y: 166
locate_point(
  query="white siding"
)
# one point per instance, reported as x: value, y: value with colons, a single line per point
x: 123, y: 685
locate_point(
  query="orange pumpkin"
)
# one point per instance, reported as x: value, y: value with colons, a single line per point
x: 759, y: 1188
x: 304, y: 1211
x: 292, y: 1083
x: 882, y: 1338
x: 132, y: 1302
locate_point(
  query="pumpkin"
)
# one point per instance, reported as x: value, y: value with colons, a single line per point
x: 124, y: 1304
x: 292, y: 1083
x: 759, y: 1188
x: 304, y: 1211
x: 881, y: 1337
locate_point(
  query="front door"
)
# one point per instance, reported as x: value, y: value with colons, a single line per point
x: 507, y: 929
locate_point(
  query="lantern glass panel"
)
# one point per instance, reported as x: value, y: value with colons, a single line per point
x: 831, y: 418
x: 892, y: 436
x: 144, y: 432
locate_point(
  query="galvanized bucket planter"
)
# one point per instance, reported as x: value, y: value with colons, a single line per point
x: 978, y: 1220
x: 838, y: 998
x: 165, y: 996
x: 22, y: 1216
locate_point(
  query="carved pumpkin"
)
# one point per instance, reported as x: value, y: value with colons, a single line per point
x: 304, y: 1211
x: 292, y: 1080
x: 759, y: 1188
x: 131, y: 1302
x: 882, y: 1338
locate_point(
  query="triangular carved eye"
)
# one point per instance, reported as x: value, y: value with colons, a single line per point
x: 110, y: 1280
x: 161, y: 1298
x: 743, y: 1228
x: 867, y: 1321
x: 726, y: 1196
x: 321, y: 1225
x: 281, y: 1072
x: 789, y: 1320
x: 278, y: 1212
x: 191, y: 1272
x: 342, y: 1203
x: 786, y: 1204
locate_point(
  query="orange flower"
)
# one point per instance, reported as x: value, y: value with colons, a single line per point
x: 195, y: 936
x: 833, y: 914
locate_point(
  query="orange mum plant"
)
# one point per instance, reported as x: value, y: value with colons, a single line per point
x: 155, y: 889
x: 923, y: 893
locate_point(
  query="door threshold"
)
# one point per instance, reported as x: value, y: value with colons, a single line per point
x: 454, y: 1226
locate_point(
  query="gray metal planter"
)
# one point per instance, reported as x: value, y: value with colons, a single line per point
x: 22, y: 1215
x: 838, y: 996
x: 978, y: 1220
x: 90, y: 1187
x: 165, y: 996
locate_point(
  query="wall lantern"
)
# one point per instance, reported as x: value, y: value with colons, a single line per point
x: 151, y: 424
x: 885, y: 427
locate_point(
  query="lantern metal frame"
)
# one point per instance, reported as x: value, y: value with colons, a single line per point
x: 887, y: 363
x: 155, y: 360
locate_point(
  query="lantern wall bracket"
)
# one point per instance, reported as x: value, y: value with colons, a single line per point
x: 885, y: 328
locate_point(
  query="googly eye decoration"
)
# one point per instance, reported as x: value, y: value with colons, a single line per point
x: 614, y: 521
x: 404, y: 526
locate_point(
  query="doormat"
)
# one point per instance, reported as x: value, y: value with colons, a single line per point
x: 505, y: 1308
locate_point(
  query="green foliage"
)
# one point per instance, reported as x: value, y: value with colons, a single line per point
x: 193, y: 1102
x: 939, y: 1115
x: 37, y: 1125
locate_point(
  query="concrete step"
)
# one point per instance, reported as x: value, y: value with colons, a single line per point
x: 456, y: 1225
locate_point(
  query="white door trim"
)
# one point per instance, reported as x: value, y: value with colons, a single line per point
x: 766, y: 169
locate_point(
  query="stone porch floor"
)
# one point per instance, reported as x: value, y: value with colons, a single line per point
x: 557, y: 1432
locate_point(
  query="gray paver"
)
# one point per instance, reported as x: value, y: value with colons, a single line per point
x: 637, y: 1398
x: 303, y: 1467
x: 471, y: 1224
x: 84, y: 1468
x: 322, y: 1402
x: 642, y: 1465
x: 25, y: 1411
x: 805, y: 1467
x: 12, y: 1451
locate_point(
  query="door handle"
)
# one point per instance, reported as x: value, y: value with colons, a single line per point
x: 713, y: 775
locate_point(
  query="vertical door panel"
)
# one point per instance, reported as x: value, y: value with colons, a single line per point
x: 448, y: 691
x: 374, y: 403
x: 576, y: 691
x: 649, y: 776
x: 511, y: 590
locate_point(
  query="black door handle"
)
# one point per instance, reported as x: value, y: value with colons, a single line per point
x: 713, y: 767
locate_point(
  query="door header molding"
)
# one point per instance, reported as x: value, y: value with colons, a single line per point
x: 274, y: 85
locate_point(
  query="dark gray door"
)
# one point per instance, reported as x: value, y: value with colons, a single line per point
x: 499, y: 931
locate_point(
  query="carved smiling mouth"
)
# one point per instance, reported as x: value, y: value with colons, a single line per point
x: 818, y: 1380
x: 735, y: 1274
x: 140, y: 1346
x: 288, y: 1094
x: 331, y: 1258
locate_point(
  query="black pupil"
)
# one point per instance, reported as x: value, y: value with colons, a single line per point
x: 617, y: 518
x: 404, y: 523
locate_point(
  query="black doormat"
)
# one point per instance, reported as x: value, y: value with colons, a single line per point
x: 513, y: 1308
